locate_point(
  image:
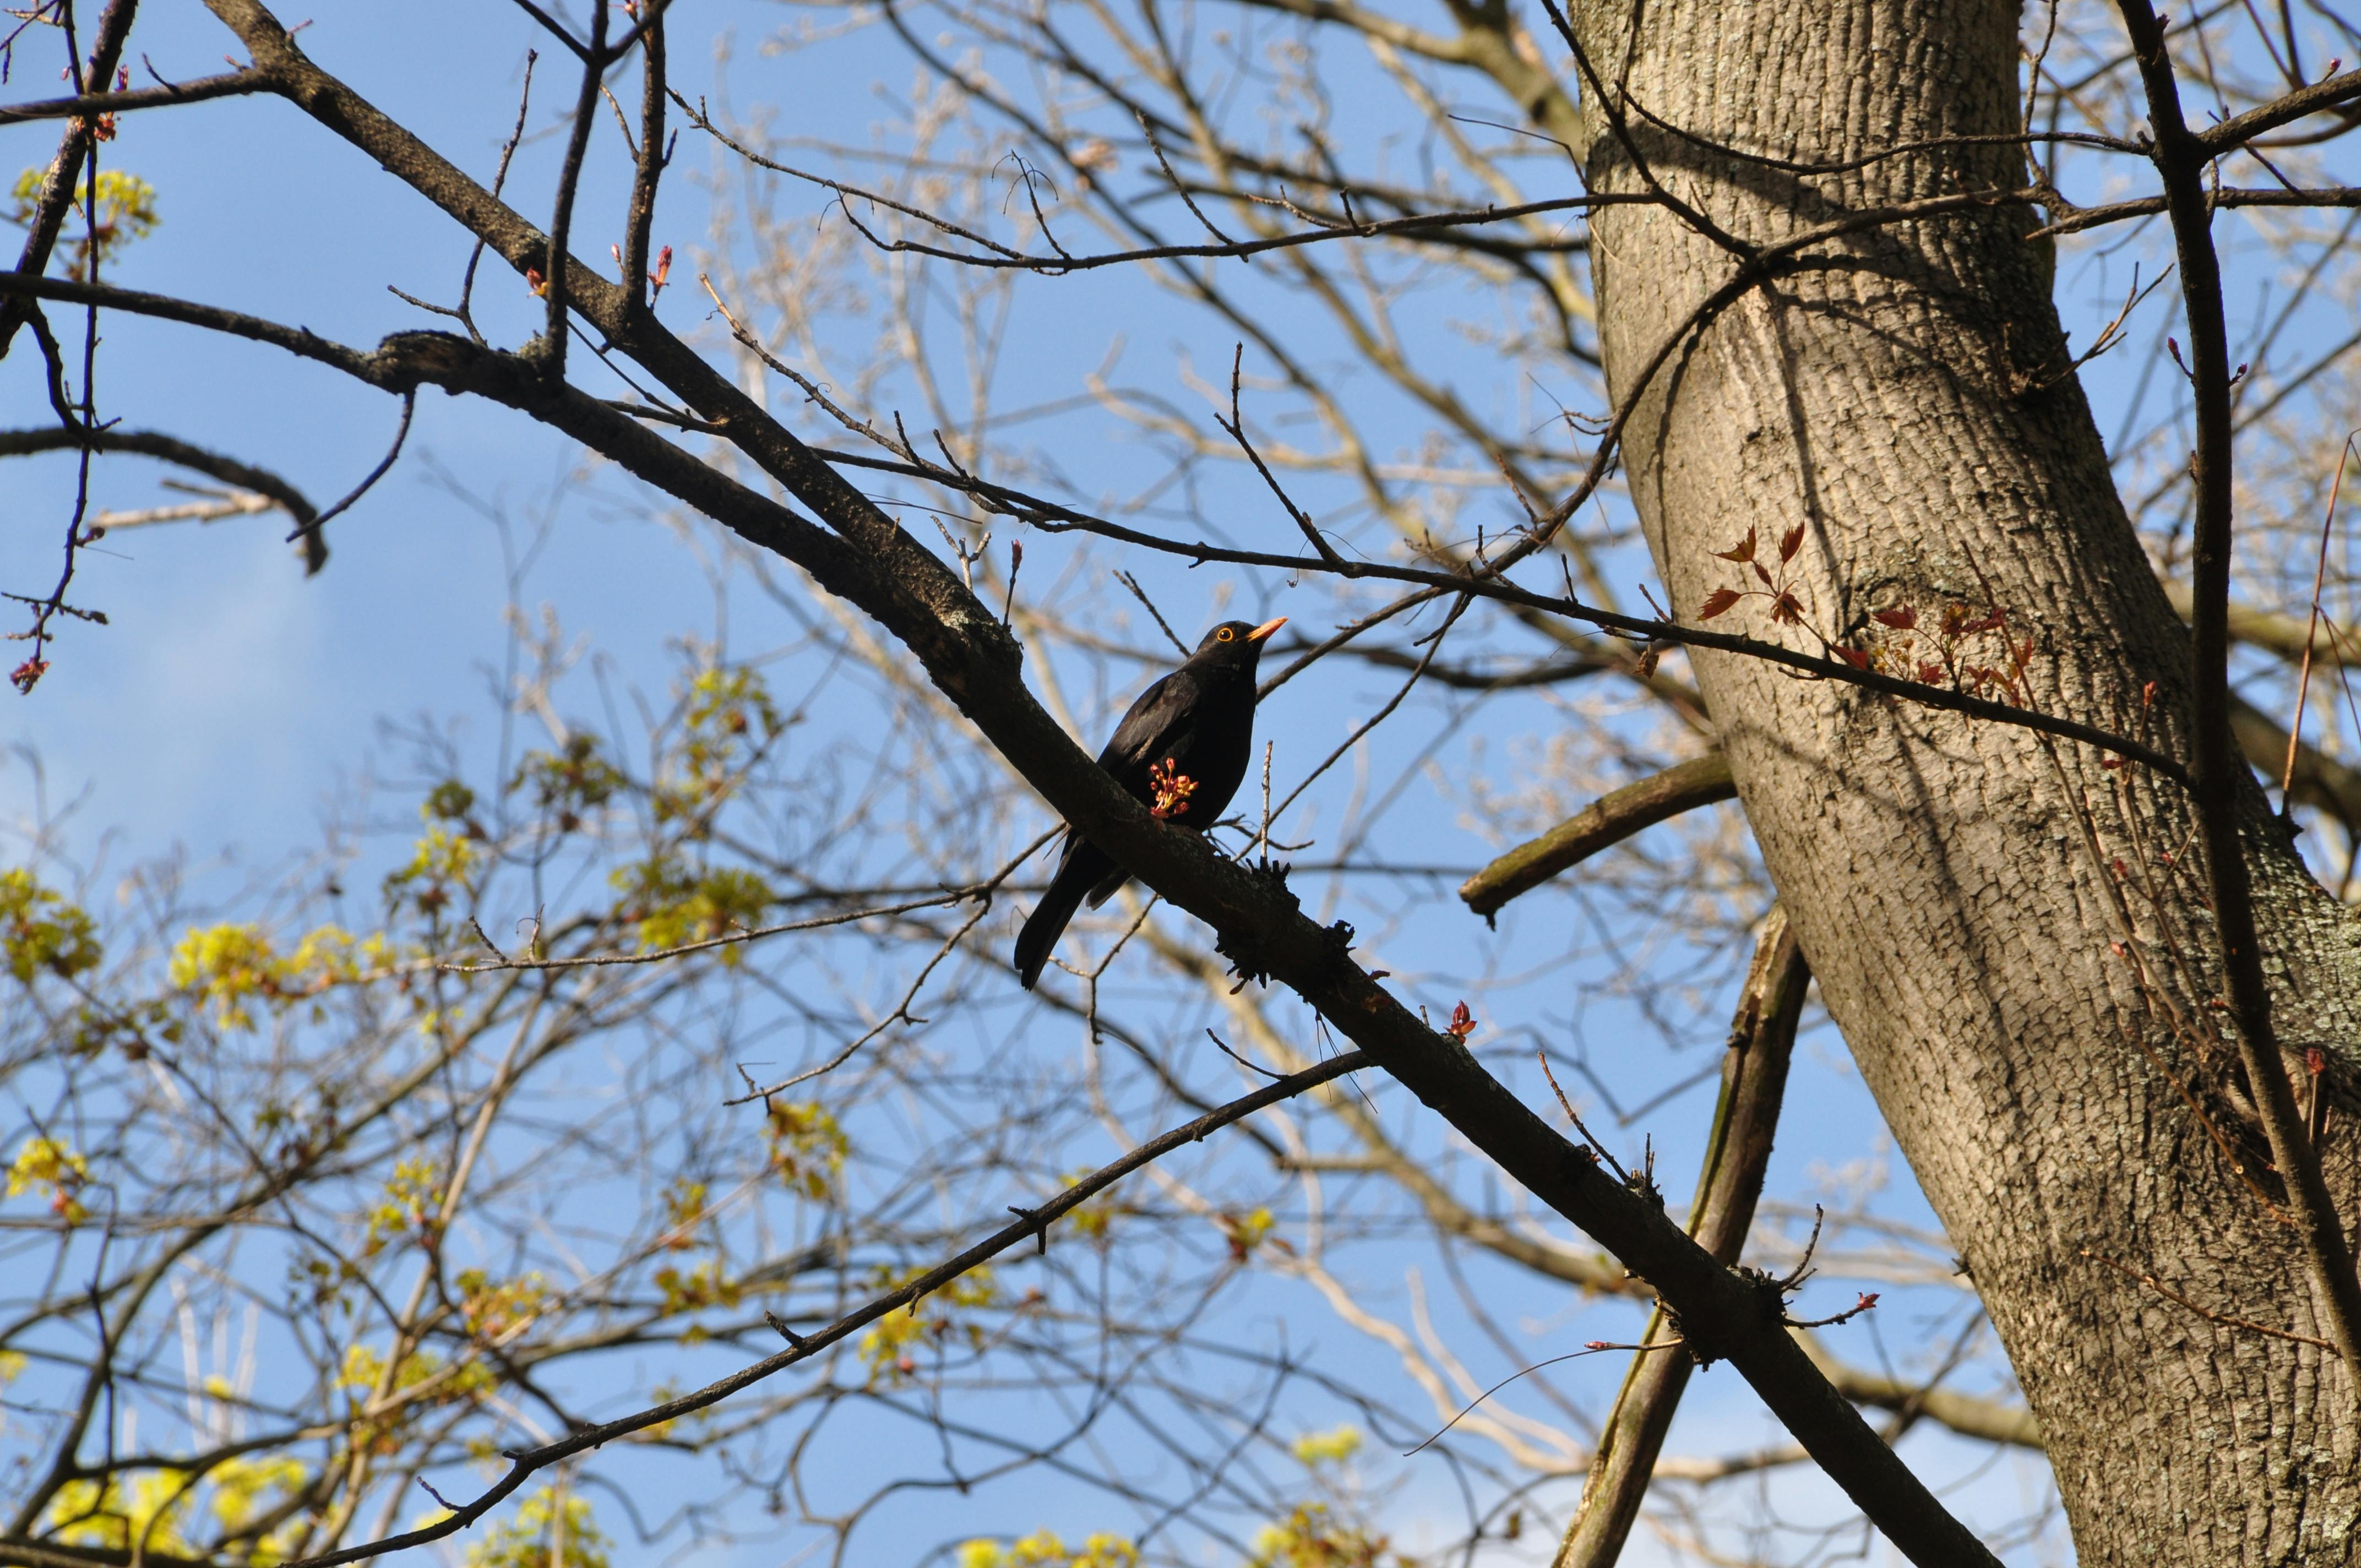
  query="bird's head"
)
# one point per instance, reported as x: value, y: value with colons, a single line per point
x: 1237, y: 642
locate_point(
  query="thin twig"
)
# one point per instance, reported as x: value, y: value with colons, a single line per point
x: 555, y: 28
x: 525, y: 1463
x: 2170, y: 1294
x: 1567, y: 1107
x: 2311, y: 633
x: 1236, y: 425
x: 500, y: 179
x: 1433, y: 648
x: 1596, y: 1347
x: 1128, y: 581
x: 639, y: 217
x: 900, y: 1015
x: 2217, y: 771
x: 1157, y: 148
x: 229, y: 83
x: 401, y: 435
x: 1052, y: 518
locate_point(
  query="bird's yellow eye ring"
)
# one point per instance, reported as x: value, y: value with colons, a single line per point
x: 1226, y: 635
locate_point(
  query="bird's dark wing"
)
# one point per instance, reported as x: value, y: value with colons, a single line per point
x: 1149, y: 727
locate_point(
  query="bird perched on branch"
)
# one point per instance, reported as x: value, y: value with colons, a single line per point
x: 1182, y: 749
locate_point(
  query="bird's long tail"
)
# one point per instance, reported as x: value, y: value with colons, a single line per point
x: 1084, y: 866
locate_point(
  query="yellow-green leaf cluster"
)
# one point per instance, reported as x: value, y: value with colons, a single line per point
x: 243, y: 1486
x: 441, y: 862
x: 450, y: 801
x: 1313, y: 1538
x: 88, y: 1513
x: 1246, y: 1231
x: 684, y: 1201
x: 364, y: 1373
x: 1045, y: 1548
x: 363, y: 1368
x: 44, y: 1163
x: 494, y: 1309
x: 706, y: 1284
x: 570, y: 783
x: 724, y: 708
x: 125, y: 212
x: 729, y: 702
x: 41, y: 933
x: 412, y: 1201
x: 1332, y: 1447
x: 808, y: 1147
x: 549, y: 1531
x: 889, y: 1346
x: 225, y: 966
x: 12, y: 1366
x: 674, y: 904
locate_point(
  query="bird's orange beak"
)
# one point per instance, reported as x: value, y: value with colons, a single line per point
x: 1266, y: 629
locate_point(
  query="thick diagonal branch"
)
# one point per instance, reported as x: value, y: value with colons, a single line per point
x: 1988, y: 1420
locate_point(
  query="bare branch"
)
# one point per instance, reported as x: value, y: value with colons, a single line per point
x: 2215, y: 767
x: 2312, y: 100
x: 55, y: 198
x: 400, y: 433
x: 2077, y: 220
x: 653, y: 155
x: 1605, y: 822
x: 1963, y: 1413
x: 228, y: 84
x: 554, y: 261
x: 1738, y: 1153
x: 171, y: 449
x: 1030, y: 1225
x: 405, y: 359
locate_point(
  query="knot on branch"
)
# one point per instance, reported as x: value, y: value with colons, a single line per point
x: 406, y: 360
x: 1714, y: 1337
x: 1339, y: 938
x: 1248, y: 961
x: 975, y: 633
x: 1703, y: 1351
x: 1770, y: 1292
x: 1249, y: 958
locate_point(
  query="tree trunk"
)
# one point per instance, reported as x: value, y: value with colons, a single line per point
x: 2010, y: 994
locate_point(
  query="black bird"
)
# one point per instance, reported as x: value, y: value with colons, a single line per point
x: 1184, y: 749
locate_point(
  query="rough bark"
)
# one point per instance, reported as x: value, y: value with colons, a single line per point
x: 2006, y: 991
